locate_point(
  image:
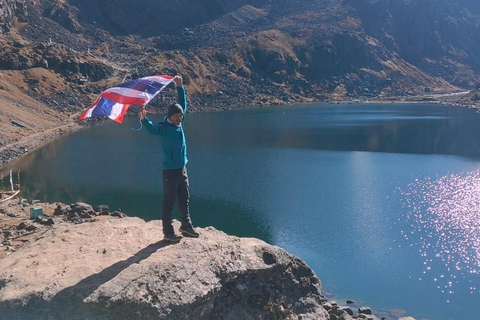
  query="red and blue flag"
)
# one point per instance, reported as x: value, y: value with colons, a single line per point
x: 114, y: 102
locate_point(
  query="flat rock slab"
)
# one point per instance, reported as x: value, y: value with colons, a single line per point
x: 122, y: 269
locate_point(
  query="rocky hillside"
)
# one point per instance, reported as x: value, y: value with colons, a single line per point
x: 56, y: 56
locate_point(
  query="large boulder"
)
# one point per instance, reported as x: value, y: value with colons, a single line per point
x: 121, y: 269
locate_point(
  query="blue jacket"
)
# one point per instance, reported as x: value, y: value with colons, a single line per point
x: 172, y: 138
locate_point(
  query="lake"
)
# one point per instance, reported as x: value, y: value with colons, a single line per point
x: 381, y: 200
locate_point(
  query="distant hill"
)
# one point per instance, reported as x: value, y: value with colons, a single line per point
x: 62, y: 53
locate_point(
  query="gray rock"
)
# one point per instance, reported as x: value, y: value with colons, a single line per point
x: 81, y: 207
x: 22, y: 225
x: 103, y: 209
x: 347, y: 310
x: 30, y: 227
x: 328, y: 306
x: 338, y: 311
x: 121, y: 269
x: 345, y: 316
x: 365, y: 310
x: 7, y: 233
x: 368, y: 317
x: 119, y: 214
x: 61, y: 210
x: 44, y: 220
x: 19, y: 44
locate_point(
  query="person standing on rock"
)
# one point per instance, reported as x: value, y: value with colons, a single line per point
x: 174, y: 173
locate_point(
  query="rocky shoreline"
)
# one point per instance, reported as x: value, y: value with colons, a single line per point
x: 107, y: 264
x: 71, y: 251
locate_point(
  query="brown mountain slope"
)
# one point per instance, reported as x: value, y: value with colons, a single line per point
x: 57, y: 56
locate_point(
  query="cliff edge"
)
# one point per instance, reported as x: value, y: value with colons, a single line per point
x: 122, y: 269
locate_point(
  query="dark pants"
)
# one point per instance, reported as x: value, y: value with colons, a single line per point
x: 175, y: 186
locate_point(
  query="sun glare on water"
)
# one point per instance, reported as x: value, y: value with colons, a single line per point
x: 444, y: 223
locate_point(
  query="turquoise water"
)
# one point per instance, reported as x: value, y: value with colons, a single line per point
x: 382, y: 201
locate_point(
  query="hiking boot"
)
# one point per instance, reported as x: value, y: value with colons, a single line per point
x: 172, y: 238
x: 189, y: 232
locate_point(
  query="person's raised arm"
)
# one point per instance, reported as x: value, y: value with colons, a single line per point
x: 182, y: 96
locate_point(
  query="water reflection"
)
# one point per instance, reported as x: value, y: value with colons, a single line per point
x: 33, y: 178
x: 424, y: 129
x: 444, y: 216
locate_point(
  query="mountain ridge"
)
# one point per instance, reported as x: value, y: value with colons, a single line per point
x: 60, y: 54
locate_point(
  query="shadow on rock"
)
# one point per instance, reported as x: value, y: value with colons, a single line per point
x: 69, y: 303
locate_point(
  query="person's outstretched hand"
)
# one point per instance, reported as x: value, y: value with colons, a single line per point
x: 178, y: 80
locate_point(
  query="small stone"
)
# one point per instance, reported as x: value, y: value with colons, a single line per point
x: 345, y: 316
x: 336, y: 311
x: 81, y: 207
x: 365, y: 310
x: 327, y: 306
x: 19, y: 44
x: 49, y: 222
x: 118, y: 214
x: 103, y: 209
x: 31, y: 227
x: 21, y: 226
x: 60, y: 210
x: 347, y: 310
